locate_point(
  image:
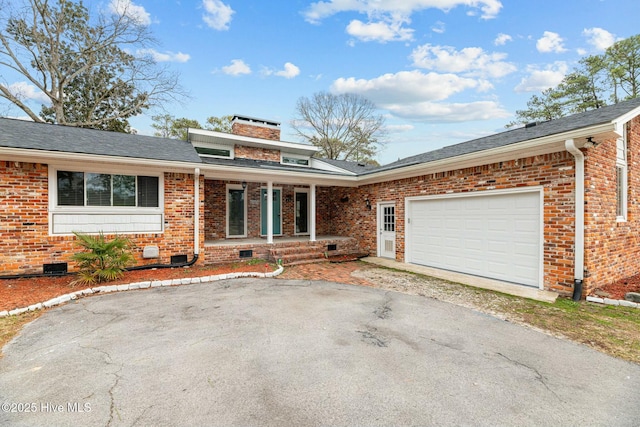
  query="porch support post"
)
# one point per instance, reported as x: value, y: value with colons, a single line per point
x: 270, y: 212
x: 312, y: 228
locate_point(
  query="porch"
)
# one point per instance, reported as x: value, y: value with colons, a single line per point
x: 289, y: 249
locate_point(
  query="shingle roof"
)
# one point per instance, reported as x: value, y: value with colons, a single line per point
x: 40, y: 136
x: 350, y: 166
x: 43, y: 136
x: 551, y: 127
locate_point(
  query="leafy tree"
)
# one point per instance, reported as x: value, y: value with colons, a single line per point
x: 623, y: 60
x: 219, y: 124
x: 614, y: 76
x: 345, y: 127
x: 168, y: 126
x: 81, y: 65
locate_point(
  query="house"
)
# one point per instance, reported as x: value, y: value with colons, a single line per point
x: 552, y: 205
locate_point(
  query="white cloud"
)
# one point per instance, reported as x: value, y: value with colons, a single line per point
x: 290, y: 71
x: 470, y: 60
x: 542, y: 79
x: 236, y: 68
x: 407, y: 86
x: 27, y: 92
x: 502, y: 39
x: 217, y: 14
x: 131, y: 10
x: 379, y: 31
x: 550, y: 42
x: 399, y: 128
x: 438, y: 27
x: 323, y: 9
x: 165, y: 57
x: 598, y: 38
x: 449, y: 112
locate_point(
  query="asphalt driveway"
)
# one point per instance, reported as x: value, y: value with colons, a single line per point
x: 274, y: 352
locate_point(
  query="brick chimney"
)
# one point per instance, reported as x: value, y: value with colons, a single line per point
x: 255, y: 128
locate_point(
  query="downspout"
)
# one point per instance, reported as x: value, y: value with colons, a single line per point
x: 196, y: 213
x: 578, y: 275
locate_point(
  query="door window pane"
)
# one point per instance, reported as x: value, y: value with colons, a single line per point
x: 236, y: 212
x: 302, y: 213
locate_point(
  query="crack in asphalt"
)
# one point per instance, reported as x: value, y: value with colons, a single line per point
x: 384, y: 311
x: 538, y: 375
x: 370, y: 337
x: 109, y: 361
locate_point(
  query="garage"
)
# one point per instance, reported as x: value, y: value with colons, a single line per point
x: 490, y: 234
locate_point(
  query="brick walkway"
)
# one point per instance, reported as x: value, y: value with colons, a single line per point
x: 333, y: 272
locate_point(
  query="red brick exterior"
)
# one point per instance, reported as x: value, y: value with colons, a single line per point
x: 256, y: 130
x: 554, y: 172
x: 612, y: 248
x: 25, y: 243
x: 254, y: 153
x: 216, y: 215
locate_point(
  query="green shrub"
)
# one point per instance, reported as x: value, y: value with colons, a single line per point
x: 101, y: 260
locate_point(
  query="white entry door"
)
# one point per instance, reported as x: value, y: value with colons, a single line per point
x: 387, y: 230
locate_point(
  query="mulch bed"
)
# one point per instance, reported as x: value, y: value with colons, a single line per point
x: 617, y: 290
x: 18, y: 293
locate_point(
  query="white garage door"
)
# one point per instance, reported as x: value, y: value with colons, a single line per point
x: 496, y: 236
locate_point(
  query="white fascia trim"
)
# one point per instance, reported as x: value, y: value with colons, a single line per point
x: 67, y: 158
x: 229, y: 138
x: 533, y: 147
x: 625, y: 118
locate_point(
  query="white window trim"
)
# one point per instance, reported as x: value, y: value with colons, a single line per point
x: 296, y: 191
x: 229, y: 147
x: 101, y: 210
x: 246, y: 203
x: 621, y: 163
x: 295, y: 156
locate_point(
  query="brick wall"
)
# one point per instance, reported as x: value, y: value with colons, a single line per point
x: 256, y: 130
x: 255, y: 153
x: 216, y: 214
x: 25, y: 243
x: 612, y: 248
x: 554, y: 172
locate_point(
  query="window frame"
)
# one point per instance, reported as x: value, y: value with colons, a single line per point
x: 230, y: 148
x: 284, y: 155
x: 228, y: 211
x: 621, y: 177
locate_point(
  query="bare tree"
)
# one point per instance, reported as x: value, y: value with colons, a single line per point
x: 82, y: 65
x: 345, y: 127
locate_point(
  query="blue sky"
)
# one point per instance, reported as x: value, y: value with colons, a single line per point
x: 441, y: 71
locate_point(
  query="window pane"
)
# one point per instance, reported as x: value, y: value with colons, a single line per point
x: 98, y: 189
x: 148, y: 191
x: 301, y: 213
x: 124, y: 190
x: 295, y: 161
x: 620, y: 191
x: 236, y: 212
x: 70, y: 188
x: 222, y: 152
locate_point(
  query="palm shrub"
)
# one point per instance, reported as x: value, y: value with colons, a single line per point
x: 101, y: 260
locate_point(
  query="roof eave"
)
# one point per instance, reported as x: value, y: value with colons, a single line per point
x: 534, y: 147
x: 214, y: 137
